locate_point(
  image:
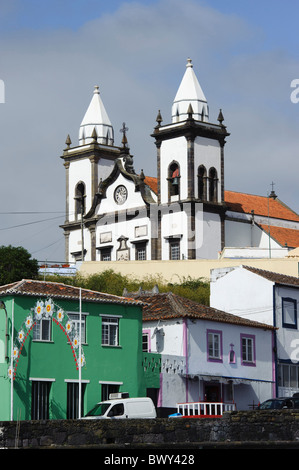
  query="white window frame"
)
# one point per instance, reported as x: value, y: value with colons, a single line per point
x: 75, y: 319
x: 248, y: 350
x: 214, y: 345
x: 110, y: 323
x: 38, y: 330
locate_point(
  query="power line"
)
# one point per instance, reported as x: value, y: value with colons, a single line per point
x: 30, y: 223
x: 32, y: 212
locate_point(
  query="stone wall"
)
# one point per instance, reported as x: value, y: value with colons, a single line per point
x: 240, y: 426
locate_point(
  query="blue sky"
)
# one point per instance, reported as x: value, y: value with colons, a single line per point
x: 245, y: 54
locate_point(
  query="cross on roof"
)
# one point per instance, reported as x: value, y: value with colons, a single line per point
x: 123, y: 130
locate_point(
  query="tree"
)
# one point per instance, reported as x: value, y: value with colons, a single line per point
x: 112, y: 282
x: 16, y: 264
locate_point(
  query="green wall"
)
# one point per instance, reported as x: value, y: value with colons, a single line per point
x: 55, y: 361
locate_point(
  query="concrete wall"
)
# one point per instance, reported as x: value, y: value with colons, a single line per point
x: 255, y: 427
x: 174, y: 271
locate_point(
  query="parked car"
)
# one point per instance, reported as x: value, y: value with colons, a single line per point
x: 279, y: 403
x: 123, y: 408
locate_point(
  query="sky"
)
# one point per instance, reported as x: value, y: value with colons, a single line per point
x: 52, y: 53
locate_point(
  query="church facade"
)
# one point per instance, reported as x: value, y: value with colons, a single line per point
x: 184, y: 212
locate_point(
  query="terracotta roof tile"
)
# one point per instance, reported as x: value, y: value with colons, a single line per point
x: 62, y: 291
x: 241, y: 202
x: 167, y: 306
x: 152, y: 183
x: 275, y: 277
x: 283, y: 235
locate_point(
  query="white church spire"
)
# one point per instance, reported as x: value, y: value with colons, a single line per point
x: 96, y: 119
x: 190, y: 92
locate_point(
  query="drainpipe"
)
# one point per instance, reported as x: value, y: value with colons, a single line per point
x: 185, y: 351
x: 2, y: 307
x: 275, y: 365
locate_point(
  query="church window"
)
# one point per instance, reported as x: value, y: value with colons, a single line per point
x: 213, y: 180
x: 174, y: 250
x: 202, y: 183
x: 173, y: 180
x: 105, y: 254
x: 80, y: 199
x: 140, y: 252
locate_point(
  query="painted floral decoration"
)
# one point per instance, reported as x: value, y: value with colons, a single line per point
x: 76, y: 342
x: 68, y: 326
x: 28, y: 322
x: 82, y: 360
x: 49, y: 307
x: 21, y: 336
x: 39, y: 309
x: 60, y: 315
x: 15, y: 352
x: 10, y: 372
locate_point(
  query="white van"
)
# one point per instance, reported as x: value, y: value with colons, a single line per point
x: 122, y: 408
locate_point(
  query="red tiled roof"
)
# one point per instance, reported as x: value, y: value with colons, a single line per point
x: 274, y: 277
x: 283, y: 235
x: 62, y: 291
x: 167, y: 306
x: 241, y: 202
x: 152, y: 183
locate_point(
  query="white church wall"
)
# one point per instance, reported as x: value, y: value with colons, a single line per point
x: 238, y: 234
x: 75, y: 243
x: 79, y: 171
x: 207, y: 153
x: 104, y: 168
x: 108, y: 232
x: 173, y: 150
x: 244, y: 234
x: 174, y: 224
x: 208, y: 235
x: 134, y: 199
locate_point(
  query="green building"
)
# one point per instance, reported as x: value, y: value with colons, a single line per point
x: 44, y: 372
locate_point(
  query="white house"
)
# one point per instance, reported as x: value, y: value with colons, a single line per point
x: 114, y: 212
x: 207, y: 354
x: 270, y: 298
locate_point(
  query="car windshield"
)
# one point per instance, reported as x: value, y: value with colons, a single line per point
x: 99, y: 410
x: 272, y: 404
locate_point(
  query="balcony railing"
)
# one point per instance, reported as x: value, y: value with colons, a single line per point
x: 204, y: 409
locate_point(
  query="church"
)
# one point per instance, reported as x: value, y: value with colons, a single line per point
x: 184, y: 211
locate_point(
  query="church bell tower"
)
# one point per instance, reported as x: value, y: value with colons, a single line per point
x: 85, y: 164
x: 190, y: 174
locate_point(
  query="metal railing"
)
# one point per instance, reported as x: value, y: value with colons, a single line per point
x: 204, y: 409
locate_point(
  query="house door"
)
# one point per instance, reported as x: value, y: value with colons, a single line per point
x: 212, y: 392
x: 73, y: 400
x: 40, y: 393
